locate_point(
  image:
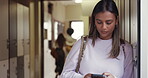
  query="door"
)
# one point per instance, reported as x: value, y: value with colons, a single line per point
x: 22, y: 41
x: 4, y: 38
x: 19, y: 40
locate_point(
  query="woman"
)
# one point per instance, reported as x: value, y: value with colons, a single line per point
x: 60, y: 54
x: 105, y: 53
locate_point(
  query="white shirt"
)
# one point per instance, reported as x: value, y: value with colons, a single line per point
x: 96, y: 60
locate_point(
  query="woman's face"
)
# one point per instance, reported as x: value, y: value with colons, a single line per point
x: 105, y: 23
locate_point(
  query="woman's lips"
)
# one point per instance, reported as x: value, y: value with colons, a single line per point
x: 103, y: 32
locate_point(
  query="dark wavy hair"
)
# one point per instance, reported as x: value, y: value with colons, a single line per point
x: 102, y: 6
x: 61, y: 40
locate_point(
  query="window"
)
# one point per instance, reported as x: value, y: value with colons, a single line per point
x: 55, y: 30
x: 78, y: 27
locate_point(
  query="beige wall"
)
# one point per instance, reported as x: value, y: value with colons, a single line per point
x: 73, y: 12
x: 67, y: 13
x: 87, y: 6
x: 86, y: 24
x: 58, y: 12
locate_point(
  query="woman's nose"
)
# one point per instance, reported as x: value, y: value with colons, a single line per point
x: 104, y: 26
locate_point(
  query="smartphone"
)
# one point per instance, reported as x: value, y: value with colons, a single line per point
x: 97, y: 76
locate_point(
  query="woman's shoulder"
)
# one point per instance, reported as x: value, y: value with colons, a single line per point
x: 79, y: 41
x: 125, y: 43
x: 127, y: 47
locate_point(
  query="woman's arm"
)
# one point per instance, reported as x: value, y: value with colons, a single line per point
x: 128, y: 62
x: 71, y: 63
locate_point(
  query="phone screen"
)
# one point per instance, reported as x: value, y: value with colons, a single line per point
x: 97, y: 76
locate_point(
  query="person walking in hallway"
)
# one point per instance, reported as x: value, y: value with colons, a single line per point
x: 69, y: 40
x: 59, y: 54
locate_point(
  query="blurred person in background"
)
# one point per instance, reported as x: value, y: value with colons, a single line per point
x: 59, y: 54
x: 69, y: 40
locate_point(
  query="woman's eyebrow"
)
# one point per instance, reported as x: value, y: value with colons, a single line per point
x: 98, y: 19
x: 109, y: 20
x: 106, y: 20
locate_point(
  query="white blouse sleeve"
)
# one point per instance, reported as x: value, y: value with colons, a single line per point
x: 128, y: 62
x: 71, y: 63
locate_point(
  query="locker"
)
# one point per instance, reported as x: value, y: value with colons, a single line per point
x: 4, y: 68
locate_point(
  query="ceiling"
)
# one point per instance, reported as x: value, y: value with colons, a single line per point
x: 66, y: 2
x: 87, y: 5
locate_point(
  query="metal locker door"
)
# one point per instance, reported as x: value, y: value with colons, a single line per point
x: 26, y: 41
x: 13, y: 38
x: 20, y: 41
x: 4, y: 38
x: 23, y: 41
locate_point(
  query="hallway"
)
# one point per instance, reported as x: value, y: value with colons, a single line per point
x: 26, y: 26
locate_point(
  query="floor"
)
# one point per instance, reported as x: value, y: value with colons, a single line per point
x: 49, y: 63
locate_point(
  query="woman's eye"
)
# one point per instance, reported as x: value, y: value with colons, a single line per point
x: 99, y: 22
x: 108, y: 23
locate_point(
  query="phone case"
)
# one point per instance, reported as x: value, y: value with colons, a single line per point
x: 97, y: 76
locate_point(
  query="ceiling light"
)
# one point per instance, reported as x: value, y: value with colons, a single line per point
x: 78, y: 1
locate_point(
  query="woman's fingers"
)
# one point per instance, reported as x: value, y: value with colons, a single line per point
x: 108, y: 75
x: 87, y: 75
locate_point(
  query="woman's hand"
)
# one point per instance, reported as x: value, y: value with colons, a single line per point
x: 87, y: 75
x: 108, y: 75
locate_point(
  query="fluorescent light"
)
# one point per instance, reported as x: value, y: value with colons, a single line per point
x: 78, y: 1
